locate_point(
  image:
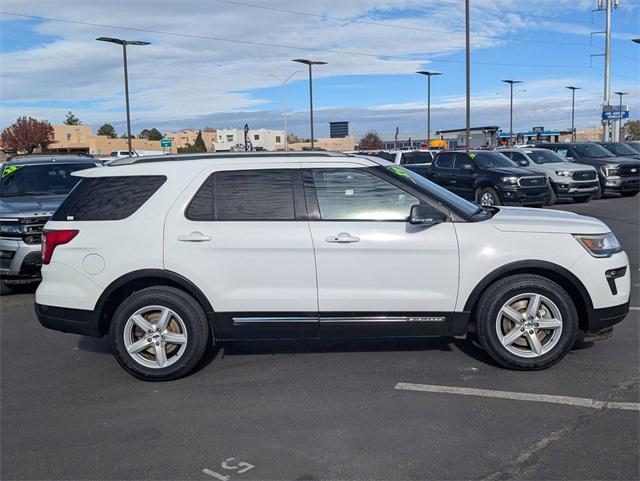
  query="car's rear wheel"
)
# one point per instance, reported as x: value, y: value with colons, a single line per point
x: 526, y: 322
x: 159, y: 333
x: 487, y: 197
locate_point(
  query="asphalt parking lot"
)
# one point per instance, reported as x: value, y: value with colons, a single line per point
x: 323, y: 410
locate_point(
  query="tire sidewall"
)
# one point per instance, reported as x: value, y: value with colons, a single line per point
x: 491, y: 307
x: 191, y: 320
x: 492, y: 192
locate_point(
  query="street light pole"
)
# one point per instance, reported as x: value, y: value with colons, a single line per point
x: 573, y: 111
x: 511, y: 82
x: 467, y: 21
x: 124, y: 44
x: 429, y: 75
x: 620, y: 139
x: 309, y: 63
x: 286, y: 108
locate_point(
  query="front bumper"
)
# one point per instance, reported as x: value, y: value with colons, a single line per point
x: 19, y: 260
x: 523, y: 195
x: 621, y: 184
x: 572, y: 189
x: 74, y: 321
x: 601, y: 320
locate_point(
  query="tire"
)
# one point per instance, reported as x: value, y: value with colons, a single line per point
x: 5, y: 289
x: 629, y: 193
x: 556, y: 309
x: 598, y: 193
x: 185, y: 323
x: 487, y: 193
x: 582, y: 199
x: 553, y: 198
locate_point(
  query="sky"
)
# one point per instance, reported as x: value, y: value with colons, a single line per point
x: 216, y: 63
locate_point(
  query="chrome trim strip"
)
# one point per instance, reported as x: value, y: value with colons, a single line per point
x: 381, y: 319
x: 252, y: 320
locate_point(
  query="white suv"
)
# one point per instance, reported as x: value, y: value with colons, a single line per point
x: 167, y: 255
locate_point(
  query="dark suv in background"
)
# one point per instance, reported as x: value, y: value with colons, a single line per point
x: 620, y: 149
x: 488, y: 178
x: 31, y: 189
x: 619, y: 175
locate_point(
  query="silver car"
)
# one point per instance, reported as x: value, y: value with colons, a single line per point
x: 568, y: 180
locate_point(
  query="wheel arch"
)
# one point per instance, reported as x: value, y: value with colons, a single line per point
x: 554, y: 272
x: 134, y: 281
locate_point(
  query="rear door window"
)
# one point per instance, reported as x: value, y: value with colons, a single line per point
x: 245, y: 195
x: 445, y: 161
x: 108, y: 198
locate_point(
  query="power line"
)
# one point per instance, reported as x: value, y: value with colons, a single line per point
x: 284, y: 46
x: 387, y: 25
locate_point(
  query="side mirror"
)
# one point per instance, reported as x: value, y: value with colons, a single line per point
x: 523, y: 162
x: 467, y: 167
x: 425, y: 215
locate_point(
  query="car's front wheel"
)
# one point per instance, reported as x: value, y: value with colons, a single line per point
x: 487, y: 197
x: 526, y: 322
x: 159, y: 333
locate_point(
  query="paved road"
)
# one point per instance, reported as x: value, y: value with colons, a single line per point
x: 306, y: 411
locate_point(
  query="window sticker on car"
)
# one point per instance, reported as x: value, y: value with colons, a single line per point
x: 472, y: 155
x: 399, y: 171
x: 10, y: 170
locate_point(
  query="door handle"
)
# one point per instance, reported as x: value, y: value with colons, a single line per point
x: 194, y: 237
x: 342, y: 238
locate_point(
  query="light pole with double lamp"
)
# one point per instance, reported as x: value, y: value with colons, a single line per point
x: 429, y: 75
x: 124, y: 44
x: 573, y: 111
x: 309, y: 63
x: 511, y: 83
x: 621, y: 94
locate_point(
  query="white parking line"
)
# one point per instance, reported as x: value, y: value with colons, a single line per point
x: 634, y: 308
x: 519, y: 396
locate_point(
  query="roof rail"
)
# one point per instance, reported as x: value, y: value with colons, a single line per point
x: 222, y: 155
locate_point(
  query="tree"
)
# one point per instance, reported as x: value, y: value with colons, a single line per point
x: 199, y: 143
x: 632, y: 129
x: 108, y: 130
x: 70, y: 119
x: 371, y: 141
x: 154, y: 134
x: 26, y: 134
x: 144, y: 134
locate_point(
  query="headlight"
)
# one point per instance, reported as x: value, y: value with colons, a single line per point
x: 11, y: 227
x: 599, y: 245
x: 609, y: 171
x: 563, y: 173
x: 510, y: 180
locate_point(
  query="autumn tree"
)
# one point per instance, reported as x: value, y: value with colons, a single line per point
x: 70, y: 119
x: 371, y: 141
x: 108, y: 130
x: 632, y: 129
x: 27, y: 134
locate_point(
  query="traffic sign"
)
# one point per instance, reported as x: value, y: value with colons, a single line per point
x: 165, y: 143
x: 615, y: 115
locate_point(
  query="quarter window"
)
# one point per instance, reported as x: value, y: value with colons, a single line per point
x: 445, y: 161
x: 245, y: 195
x: 349, y: 194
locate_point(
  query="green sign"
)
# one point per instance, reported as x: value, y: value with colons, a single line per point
x: 165, y: 143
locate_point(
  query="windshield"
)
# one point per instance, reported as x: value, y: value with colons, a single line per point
x: 592, y: 150
x: 434, y: 190
x: 620, y: 148
x: 490, y: 160
x: 544, y: 156
x: 44, y: 179
x: 635, y: 146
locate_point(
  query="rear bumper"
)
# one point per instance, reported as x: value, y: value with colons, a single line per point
x: 602, y: 319
x: 75, y: 321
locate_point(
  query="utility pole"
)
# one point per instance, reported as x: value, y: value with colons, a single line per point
x: 573, y: 112
x: 607, y: 6
x: 511, y: 82
x: 310, y: 63
x: 286, y: 109
x: 468, y: 73
x: 429, y: 75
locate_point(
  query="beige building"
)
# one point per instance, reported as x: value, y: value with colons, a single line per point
x: 188, y: 137
x: 80, y: 139
x: 259, y: 139
x: 343, y: 144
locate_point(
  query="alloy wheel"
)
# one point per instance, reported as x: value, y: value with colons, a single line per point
x: 155, y: 337
x: 529, y: 325
x: 487, y: 199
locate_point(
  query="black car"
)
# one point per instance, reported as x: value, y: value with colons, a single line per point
x: 488, y: 178
x: 620, y: 149
x: 616, y: 174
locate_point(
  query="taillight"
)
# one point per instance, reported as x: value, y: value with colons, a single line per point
x: 54, y: 238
